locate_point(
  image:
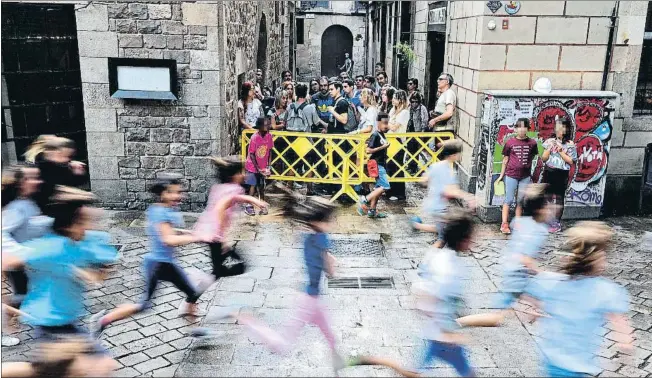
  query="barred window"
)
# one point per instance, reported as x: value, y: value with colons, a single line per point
x: 643, y: 96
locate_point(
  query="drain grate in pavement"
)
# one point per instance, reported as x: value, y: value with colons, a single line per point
x: 357, y: 246
x: 361, y: 283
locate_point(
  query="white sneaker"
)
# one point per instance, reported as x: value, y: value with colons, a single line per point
x: 297, y: 186
x: 393, y: 198
x: 186, y: 308
x: 9, y: 341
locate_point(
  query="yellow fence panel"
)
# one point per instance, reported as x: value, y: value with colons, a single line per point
x: 341, y: 159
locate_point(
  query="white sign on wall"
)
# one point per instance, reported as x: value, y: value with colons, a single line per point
x: 437, y: 16
x: 132, y: 78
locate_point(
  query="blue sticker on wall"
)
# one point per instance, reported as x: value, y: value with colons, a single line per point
x: 512, y: 7
x: 494, y: 6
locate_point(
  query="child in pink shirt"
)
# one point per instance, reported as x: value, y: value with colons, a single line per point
x: 257, y: 165
x: 213, y: 224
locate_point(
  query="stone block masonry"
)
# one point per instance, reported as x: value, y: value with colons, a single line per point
x: 131, y: 142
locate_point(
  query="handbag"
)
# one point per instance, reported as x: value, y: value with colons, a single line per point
x: 231, y: 264
x: 372, y: 168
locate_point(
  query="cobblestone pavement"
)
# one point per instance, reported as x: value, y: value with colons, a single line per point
x: 378, y: 321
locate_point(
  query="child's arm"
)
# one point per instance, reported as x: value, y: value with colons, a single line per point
x: 621, y: 325
x: 172, y: 239
x: 329, y: 264
x: 530, y: 263
x: 454, y: 191
x: 503, y: 167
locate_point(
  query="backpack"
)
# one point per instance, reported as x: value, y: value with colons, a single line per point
x: 296, y: 119
x: 353, y: 116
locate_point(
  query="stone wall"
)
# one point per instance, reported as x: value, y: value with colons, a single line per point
x: 309, y: 53
x: 420, y: 43
x: 131, y: 141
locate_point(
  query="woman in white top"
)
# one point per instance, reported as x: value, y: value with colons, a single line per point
x: 249, y: 107
x: 368, y: 119
x: 399, y: 117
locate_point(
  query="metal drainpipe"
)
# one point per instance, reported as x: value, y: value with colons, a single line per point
x: 610, y: 45
x: 366, y: 36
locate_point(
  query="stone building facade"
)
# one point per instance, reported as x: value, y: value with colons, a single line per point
x: 325, y: 30
x: 216, y: 46
x: 565, y: 41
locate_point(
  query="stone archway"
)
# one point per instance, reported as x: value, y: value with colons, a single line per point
x: 261, y: 54
x: 335, y: 41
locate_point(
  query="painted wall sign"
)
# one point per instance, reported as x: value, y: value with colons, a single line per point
x: 591, y: 120
x: 494, y: 6
x: 512, y: 7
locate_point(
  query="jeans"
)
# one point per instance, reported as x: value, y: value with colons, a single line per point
x: 156, y: 271
x: 512, y: 186
x: 451, y: 353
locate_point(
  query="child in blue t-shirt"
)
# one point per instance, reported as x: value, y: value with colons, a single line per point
x: 519, y: 261
x: 57, y: 265
x: 577, y: 303
x: 163, y: 228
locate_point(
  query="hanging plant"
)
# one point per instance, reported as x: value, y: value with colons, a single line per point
x: 405, y: 53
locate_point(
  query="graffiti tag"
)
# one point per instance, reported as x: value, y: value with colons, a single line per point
x: 586, y: 197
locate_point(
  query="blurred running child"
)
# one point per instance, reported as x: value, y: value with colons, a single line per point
x: 519, y: 260
x: 578, y: 303
x: 56, y: 265
x: 257, y: 165
x: 439, y: 293
x: 518, y: 154
x: 377, y: 148
x: 316, y: 214
x: 443, y: 186
x: 163, y: 229
x: 214, y: 223
x: 21, y: 221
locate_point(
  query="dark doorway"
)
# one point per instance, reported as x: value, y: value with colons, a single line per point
x: 437, y: 47
x: 406, y: 21
x: 335, y: 42
x: 383, y: 33
x: 41, y: 71
x: 261, y: 54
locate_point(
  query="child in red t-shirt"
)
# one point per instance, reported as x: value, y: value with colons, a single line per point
x: 518, y: 154
x: 257, y: 165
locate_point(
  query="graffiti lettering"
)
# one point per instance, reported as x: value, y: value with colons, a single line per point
x: 586, y: 197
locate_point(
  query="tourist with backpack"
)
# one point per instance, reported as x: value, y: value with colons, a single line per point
x: 301, y: 116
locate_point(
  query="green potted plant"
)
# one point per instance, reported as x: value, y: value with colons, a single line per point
x: 405, y: 53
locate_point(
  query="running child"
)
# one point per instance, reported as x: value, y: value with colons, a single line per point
x: 257, y: 165
x: 439, y: 294
x: 163, y: 223
x: 518, y: 154
x: 56, y: 265
x: 377, y: 148
x: 316, y: 215
x: 21, y: 221
x: 443, y: 186
x: 214, y: 223
x: 579, y: 301
x: 530, y: 233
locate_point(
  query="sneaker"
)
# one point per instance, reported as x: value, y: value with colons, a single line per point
x: 338, y: 362
x: 95, y: 325
x: 363, y: 201
x: 186, y: 308
x: 9, y: 341
x: 249, y: 210
x: 393, y: 198
x: 504, y: 228
x: 297, y: 186
x: 361, y: 210
x: 554, y: 227
x: 415, y: 220
x: 263, y: 211
x: 372, y: 213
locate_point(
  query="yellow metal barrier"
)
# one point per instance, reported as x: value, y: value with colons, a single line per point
x: 340, y: 158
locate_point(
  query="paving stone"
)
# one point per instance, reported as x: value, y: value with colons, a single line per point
x: 126, y: 337
x: 176, y: 357
x: 159, y: 350
x: 133, y: 359
x: 152, y: 364
x: 166, y: 371
x: 170, y: 335
x: 154, y: 329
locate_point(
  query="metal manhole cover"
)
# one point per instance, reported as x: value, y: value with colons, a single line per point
x: 357, y: 246
x: 361, y: 283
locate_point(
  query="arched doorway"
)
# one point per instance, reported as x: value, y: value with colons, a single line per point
x: 335, y: 42
x: 261, y: 55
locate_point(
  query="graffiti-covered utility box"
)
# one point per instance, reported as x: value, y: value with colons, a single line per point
x: 591, y: 115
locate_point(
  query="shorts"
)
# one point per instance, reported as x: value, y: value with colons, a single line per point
x: 438, y: 220
x: 555, y: 371
x: 382, y: 181
x: 514, y: 285
x: 48, y: 334
x: 557, y: 180
x: 454, y: 354
x: 512, y: 186
x: 254, y: 179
